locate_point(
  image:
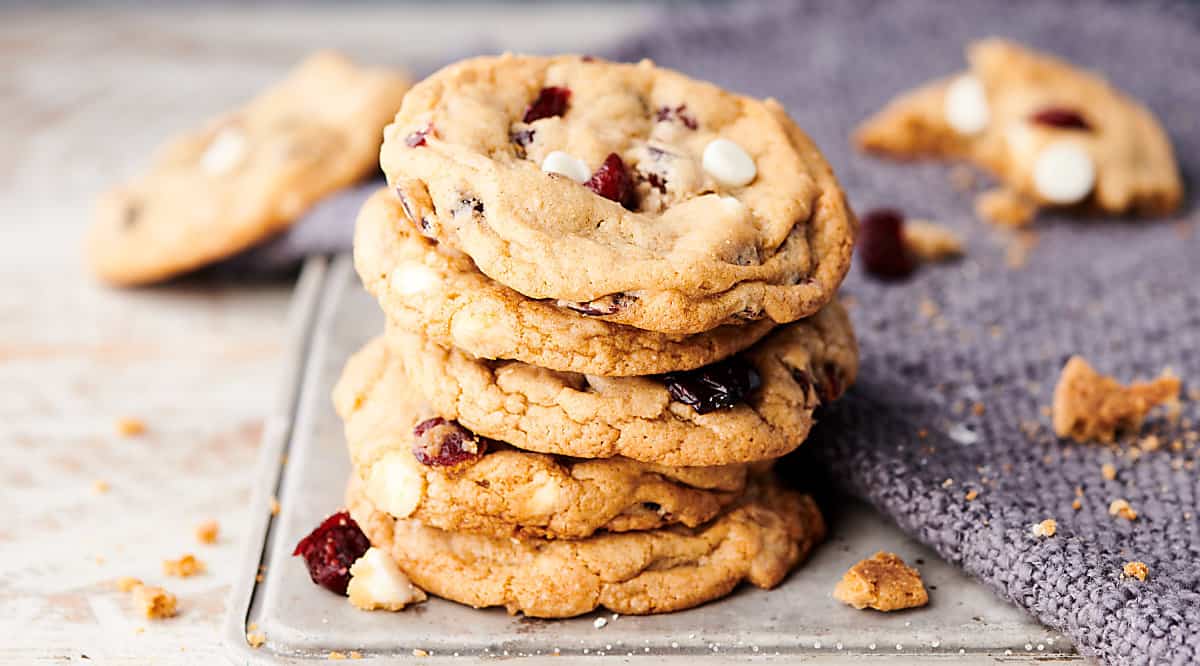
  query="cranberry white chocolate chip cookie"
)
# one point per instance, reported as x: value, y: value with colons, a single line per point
x: 759, y: 539
x: 413, y: 464
x: 624, y: 192
x: 1055, y: 134
x: 244, y: 176
x: 753, y: 406
x: 425, y: 287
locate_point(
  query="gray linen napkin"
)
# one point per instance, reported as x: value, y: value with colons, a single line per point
x: 1125, y: 294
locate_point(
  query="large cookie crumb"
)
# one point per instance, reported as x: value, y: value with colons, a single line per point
x: 1089, y: 406
x: 930, y: 241
x: 883, y: 582
x: 1137, y: 570
x: 154, y: 602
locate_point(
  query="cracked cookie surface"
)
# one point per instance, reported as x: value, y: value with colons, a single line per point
x: 469, y: 484
x: 797, y: 367
x: 759, y: 539
x: 1055, y: 134
x: 438, y: 292
x: 553, y: 172
x: 220, y: 189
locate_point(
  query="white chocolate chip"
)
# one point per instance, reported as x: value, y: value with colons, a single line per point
x: 413, y: 278
x: 966, y: 105
x: 566, y: 164
x: 394, y: 486
x: 224, y: 152
x: 1064, y: 172
x: 376, y: 583
x: 728, y: 163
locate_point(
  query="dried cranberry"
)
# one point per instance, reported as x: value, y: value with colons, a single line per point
x: 881, y: 244
x: 1062, y: 118
x: 667, y: 114
x: 330, y: 549
x: 551, y: 101
x: 441, y: 443
x: 612, y: 181
x: 417, y: 138
x: 720, y: 385
x: 600, y: 307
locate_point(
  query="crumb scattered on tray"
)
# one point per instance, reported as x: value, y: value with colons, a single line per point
x: 1121, y: 507
x: 129, y: 426
x: 256, y: 638
x: 1005, y: 208
x: 883, y: 582
x: 418, y: 652
x: 930, y: 241
x: 274, y: 506
x: 154, y: 602
x: 207, y: 531
x: 185, y: 566
x: 1046, y: 528
x: 1137, y: 570
x: 1089, y: 406
x: 337, y: 656
x: 100, y: 487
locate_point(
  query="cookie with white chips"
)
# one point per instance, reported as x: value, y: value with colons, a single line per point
x: 246, y: 175
x: 624, y: 192
x: 1055, y: 134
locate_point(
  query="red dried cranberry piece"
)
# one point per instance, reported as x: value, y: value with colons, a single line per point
x: 612, y: 181
x: 881, y: 244
x: 417, y: 138
x: 1062, y: 118
x: 441, y: 443
x: 550, y: 102
x: 720, y: 385
x: 330, y: 550
x: 666, y: 114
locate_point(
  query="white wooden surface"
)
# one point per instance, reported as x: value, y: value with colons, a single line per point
x: 84, y: 96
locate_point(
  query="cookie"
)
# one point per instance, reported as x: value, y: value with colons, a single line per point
x: 242, y: 177
x: 1055, y: 134
x: 625, y: 192
x: 438, y: 292
x: 415, y: 465
x: 754, y: 406
x: 759, y: 540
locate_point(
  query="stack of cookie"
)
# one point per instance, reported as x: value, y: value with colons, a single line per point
x: 610, y: 299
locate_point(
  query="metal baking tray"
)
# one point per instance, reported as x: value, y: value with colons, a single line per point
x: 303, y: 463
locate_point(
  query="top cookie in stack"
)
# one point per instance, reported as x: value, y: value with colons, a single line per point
x: 610, y: 300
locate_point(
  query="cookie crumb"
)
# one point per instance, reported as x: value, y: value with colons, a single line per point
x: 355, y: 654
x: 418, y: 652
x: 978, y: 409
x: 1046, y: 528
x: 1077, y: 504
x: 1137, y: 570
x: 207, y: 531
x: 334, y: 655
x: 274, y: 506
x: 928, y: 308
x: 1108, y: 471
x: 256, y: 639
x: 128, y: 583
x: 129, y: 426
x: 883, y: 582
x: 929, y: 241
x: 1005, y: 208
x: 600, y: 623
x: 972, y: 494
x: 154, y: 602
x: 1089, y: 406
x: 1151, y: 442
x: 1121, y: 507
x: 100, y: 487
x: 184, y: 567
